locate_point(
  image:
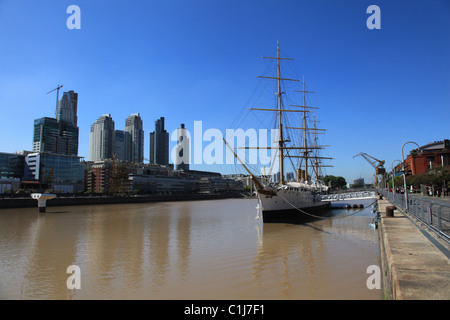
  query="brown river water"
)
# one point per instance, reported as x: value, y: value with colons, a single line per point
x: 213, y: 249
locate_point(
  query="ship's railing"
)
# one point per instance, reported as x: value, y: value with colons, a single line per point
x: 433, y: 213
x: 348, y: 196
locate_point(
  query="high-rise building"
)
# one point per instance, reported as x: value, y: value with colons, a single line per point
x: 66, y: 109
x: 159, y: 144
x: 122, y: 145
x: 134, y: 128
x: 54, y: 161
x: 101, y: 139
x: 182, y: 149
x: 51, y: 135
x: 58, y: 135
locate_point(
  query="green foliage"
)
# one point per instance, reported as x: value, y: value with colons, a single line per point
x: 398, y: 181
x: 334, y: 182
x: 435, y: 176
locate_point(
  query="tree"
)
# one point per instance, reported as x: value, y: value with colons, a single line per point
x: 334, y: 182
x: 438, y: 175
x: 436, y: 178
x: 398, y: 181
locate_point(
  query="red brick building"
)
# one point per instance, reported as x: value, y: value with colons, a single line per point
x: 97, y: 175
x: 435, y: 154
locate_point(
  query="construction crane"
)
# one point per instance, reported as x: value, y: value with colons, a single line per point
x: 377, y: 164
x: 57, y: 93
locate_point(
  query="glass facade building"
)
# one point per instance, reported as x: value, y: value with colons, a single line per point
x: 55, y: 136
x: 11, y: 165
x: 122, y: 142
x: 63, y: 172
x: 60, y: 134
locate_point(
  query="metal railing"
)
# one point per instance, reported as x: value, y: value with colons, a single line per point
x: 434, y: 214
x: 348, y: 195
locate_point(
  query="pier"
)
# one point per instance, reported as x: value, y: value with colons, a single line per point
x: 415, y: 262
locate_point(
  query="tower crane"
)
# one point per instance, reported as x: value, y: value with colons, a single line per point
x: 57, y: 93
x: 377, y: 164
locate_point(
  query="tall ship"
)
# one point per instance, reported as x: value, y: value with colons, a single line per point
x: 294, y: 198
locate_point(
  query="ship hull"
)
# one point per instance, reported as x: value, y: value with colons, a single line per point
x: 292, y: 204
x: 317, y: 211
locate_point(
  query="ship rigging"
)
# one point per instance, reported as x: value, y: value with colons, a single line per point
x: 277, y: 199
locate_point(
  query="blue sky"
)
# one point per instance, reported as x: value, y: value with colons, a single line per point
x: 199, y: 59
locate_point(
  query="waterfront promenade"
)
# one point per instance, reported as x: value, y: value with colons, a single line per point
x: 415, y: 265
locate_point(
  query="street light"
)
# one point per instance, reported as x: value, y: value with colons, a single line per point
x: 404, y: 173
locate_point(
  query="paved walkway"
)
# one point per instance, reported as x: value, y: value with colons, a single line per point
x: 445, y: 200
x: 413, y: 265
x: 441, y: 204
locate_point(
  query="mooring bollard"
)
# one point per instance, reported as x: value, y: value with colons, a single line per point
x: 42, y: 199
x: 390, y: 211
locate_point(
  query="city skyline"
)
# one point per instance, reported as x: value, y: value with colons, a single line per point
x: 376, y: 89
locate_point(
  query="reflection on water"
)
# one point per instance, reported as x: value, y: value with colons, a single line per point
x: 183, y: 250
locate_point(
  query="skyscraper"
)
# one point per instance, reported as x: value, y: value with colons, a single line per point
x: 66, y: 109
x: 134, y: 127
x: 122, y: 144
x: 182, y: 149
x: 55, y: 160
x: 58, y: 135
x: 159, y: 144
x: 101, y: 139
x: 54, y: 136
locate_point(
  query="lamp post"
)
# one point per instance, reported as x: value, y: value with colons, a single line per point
x: 393, y: 187
x: 404, y: 173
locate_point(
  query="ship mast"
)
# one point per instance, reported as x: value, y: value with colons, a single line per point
x: 306, y: 148
x: 280, y: 125
x: 316, y: 162
x: 305, y: 129
x: 305, y: 143
x: 279, y: 109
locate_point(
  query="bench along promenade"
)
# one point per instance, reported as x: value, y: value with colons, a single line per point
x: 415, y: 250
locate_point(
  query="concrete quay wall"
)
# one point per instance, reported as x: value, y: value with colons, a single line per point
x: 414, y: 266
